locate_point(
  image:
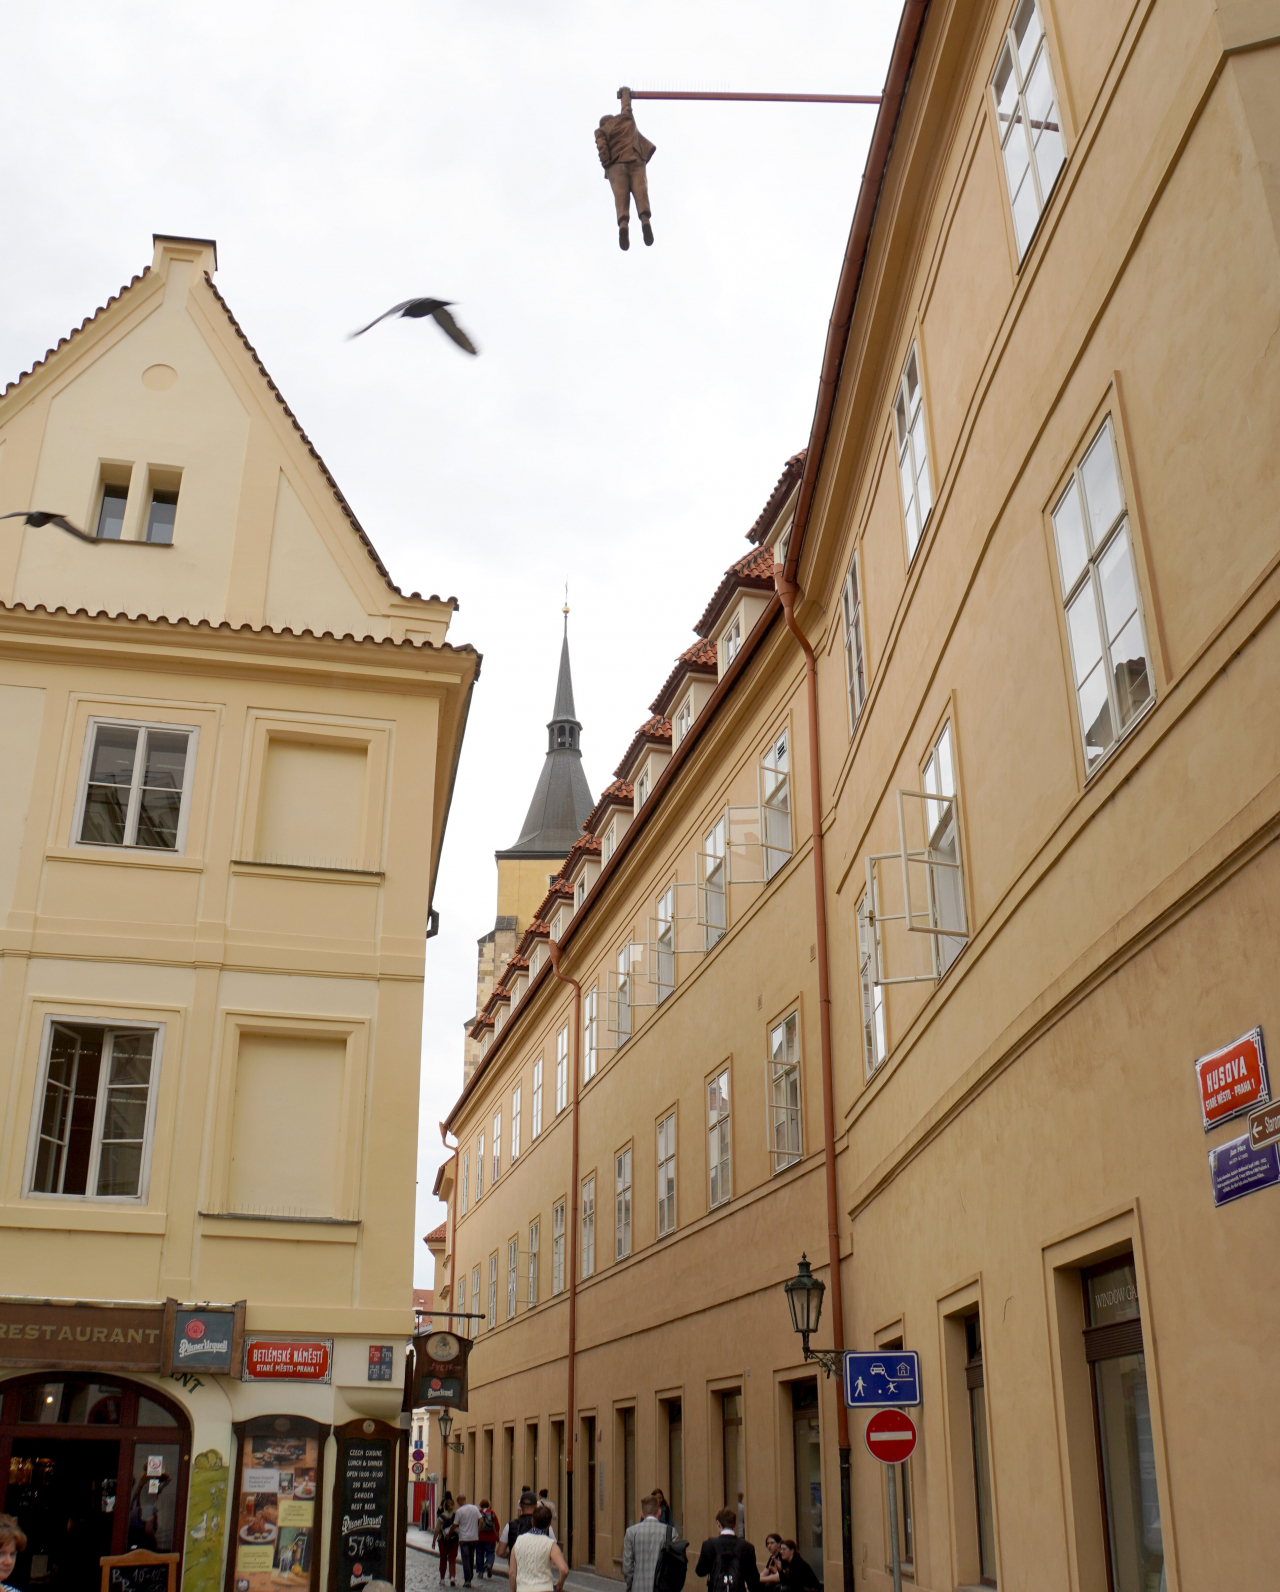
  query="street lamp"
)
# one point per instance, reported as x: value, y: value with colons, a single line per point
x: 805, y: 1293
x: 445, y: 1422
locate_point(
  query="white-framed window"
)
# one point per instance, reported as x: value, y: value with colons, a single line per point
x: 731, y: 643
x: 775, y: 803
x: 591, y: 1033
x: 784, y: 1092
x: 492, y: 1320
x: 562, y: 1069
x: 135, y: 785
x: 535, y: 1126
x: 497, y: 1148
x: 466, y: 1179
x: 855, y: 668
x: 589, y: 1227
x: 642, y: 787
x: 869, y: 958
x: 667, y: 1175
x: 624, y: 994
x: 913, y: 453
x: 666, y: 943
x: 622, y: 1203
x: 946, y: 880
x: 606, y: 844
x: 474, y: 1323
x: 536, y: 957
x: 96, y: 1115
x: 557, y: 924
x: 715, y: 879
x: 1109, y: 659
x: 1028, y: 120
x: 479, y: 1168
x: 533, y: 1262
x: 513, y: 1271
x: 515, y: 1121
x: 557, y: 1248
x: 718, y: 1159
x: 684, y: 718
x: 580, y: 892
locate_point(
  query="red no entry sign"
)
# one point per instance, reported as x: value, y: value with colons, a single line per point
x: 890, y: 1436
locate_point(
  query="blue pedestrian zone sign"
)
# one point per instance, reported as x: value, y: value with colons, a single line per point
x: 888, y: 1377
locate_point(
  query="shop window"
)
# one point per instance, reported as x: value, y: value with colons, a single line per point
x: 136, y: 785
x: 775, y: 804
x: 718, y: 1148
x: 976, y: 1384
x: 96, y: 1113
x: 784, y: 1087
x: 1122, y: 1426
x: 312, y: 803
x: 1028, y: 120
x: 294, y: 1079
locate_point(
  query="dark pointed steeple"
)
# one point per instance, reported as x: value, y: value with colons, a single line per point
x: 562, y: 799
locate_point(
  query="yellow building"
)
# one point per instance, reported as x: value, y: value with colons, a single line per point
x: 227, y: 750
x: 1021, y: 662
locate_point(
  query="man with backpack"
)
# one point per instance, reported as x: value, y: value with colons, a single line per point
x: 641, y: 1547
x: 488, y: 1542
x: 728, y: 1561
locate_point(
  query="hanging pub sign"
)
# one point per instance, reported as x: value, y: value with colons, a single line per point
x: 279, y: 1475
x: 62, y: 1336
x: 440, y: 1370
x: 288, y: 1360
x: 369, y: 1515
x: 203, y: 1338
x: 1233, y: 1081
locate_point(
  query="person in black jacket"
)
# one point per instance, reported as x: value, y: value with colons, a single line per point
x: 728, y: 1561
x: 795, y: 1573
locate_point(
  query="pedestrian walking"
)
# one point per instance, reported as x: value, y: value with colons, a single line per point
x: 12, y: 1541
x: 515, y: 1529
x: 535, y: 1554
x: 445, y: 1537
x: 727, y: 1560
x: 467, y: 1520
x: 544, y: 1499
x: 488, y: 1541
x: 641, y: 1545
x: 795, y: 1572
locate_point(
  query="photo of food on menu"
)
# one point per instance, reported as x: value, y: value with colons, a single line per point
x: 275, y: 1525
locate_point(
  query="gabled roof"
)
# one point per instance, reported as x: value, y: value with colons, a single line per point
x: 697, y: 659
x: 75, y: 332
x: 653, y: 732
x: 754, y: 571
x: 788, y: 481
x: 437, y: 1235
x: 621, y: 793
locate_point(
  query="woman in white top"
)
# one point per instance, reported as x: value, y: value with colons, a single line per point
x: 534, y: 1557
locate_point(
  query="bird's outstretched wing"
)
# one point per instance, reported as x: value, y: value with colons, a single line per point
x: 396, y: 309
x: 446, y: 323
x: 40, y: 517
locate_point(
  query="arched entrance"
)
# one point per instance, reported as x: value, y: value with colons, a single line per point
x: 90, y: 1465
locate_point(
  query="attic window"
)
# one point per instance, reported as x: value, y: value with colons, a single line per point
x: 162, y: 510
x: 606, y: 845
x: 580, y: 892
x: 642, y: 788
x: 730, y: 643
x: 111, y: 512
x: 684, y: 718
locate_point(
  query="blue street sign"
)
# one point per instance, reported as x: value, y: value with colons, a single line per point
x: 887, y: 1377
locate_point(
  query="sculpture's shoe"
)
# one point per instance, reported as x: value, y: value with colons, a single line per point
x: 624, y: 242
x: 648, y: 232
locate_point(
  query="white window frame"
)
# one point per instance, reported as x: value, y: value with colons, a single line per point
x: 607, y: 844
x: 944, y: 876
x: 579, y: 892
x: 496, y: 1170
x: 562, y: 1069
x: 775, y: 803
x: 1016, y: 144
x: 109, y: 1030
x: 642, y: 786
x: 589, y: 1226
x: 591, y: 1033
x: 874, y: 1035
x: 683, y: 721
x: 534, y: 1234
x: 666, y: 1134
x: 1098, y: 546
x: 622, y: 1203
x: 855, y: 665
x: 719, y: 1141
x: 480, y: 1168
x: 491, y: 1319
x: 786, y: 1135
x: 713, y: 897
x: 515, y: 1122
x: 513, y: 1274
x: 731, y: 643
x: 557, y: 1247
x: 144, y: 726
x: 535, y: 1125
x: 665, y: 944
x: 910, y: 427
x: 474, y: 1323
x: 624, y: 1007
x: 466, y: 1180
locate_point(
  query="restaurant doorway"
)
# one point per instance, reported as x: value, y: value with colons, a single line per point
x: 90, y: 1465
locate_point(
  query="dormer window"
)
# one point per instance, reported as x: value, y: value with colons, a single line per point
x: 684, y: 718
x: 580, y: 892
x: 606, y: 844
x: 642, y: 788
x: 730, y: 643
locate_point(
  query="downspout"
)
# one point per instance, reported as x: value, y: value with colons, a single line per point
x: 570, y: 1417
x: 788, y: 591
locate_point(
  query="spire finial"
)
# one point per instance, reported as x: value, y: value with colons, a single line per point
x: 565, y: 610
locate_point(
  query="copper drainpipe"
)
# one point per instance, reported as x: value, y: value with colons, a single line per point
x: 788, y: 591
x: 570, y: 1419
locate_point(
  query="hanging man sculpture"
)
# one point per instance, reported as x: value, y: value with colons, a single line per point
x: 624, y: 153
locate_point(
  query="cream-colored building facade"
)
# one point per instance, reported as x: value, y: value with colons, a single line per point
x: 227, y: 750
x: 1032, y: 548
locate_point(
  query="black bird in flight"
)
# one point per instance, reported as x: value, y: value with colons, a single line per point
x: 39, y: 517
x: 437, y: 309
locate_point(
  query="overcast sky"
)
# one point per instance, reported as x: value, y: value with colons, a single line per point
x: 629, y: 413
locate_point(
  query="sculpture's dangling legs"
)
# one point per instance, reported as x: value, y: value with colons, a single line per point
x: 627, y: 177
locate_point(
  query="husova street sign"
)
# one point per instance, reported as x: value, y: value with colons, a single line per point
x: 890, y: 1437
x: 1233, y: 1080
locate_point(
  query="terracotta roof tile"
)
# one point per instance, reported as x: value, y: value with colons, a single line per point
x: 754, y: 571
x: 620, y: 794
x: 792, y: 470
x: 436, y: 1235
x: 697, y: 659
x: 76, y: 330
x: 653, y: 732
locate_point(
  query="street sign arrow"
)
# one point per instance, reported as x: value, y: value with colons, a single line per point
x: 890, y: 1437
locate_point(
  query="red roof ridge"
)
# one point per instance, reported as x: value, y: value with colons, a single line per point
x: 655, y: 731
x: 700, y: 658
x: 753, y: 570
x: 436, y: 1235
x: 787, y: 481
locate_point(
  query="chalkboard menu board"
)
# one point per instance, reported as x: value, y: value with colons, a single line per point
x: 140, y: 1571
x: 365, y: 1505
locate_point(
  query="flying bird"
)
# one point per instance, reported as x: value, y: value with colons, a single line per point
x: 437, y: 309
x: 39, y: 517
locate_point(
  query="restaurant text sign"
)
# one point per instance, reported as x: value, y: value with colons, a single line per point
x: 1233, y: 1080
x: 288, y: 1359
x: 71, y: 1335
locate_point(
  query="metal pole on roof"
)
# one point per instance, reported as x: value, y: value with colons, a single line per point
x: 785, y: 99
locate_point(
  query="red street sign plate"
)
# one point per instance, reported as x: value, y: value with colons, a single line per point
x: 1233, y: 1080
x: 891, y: 1437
